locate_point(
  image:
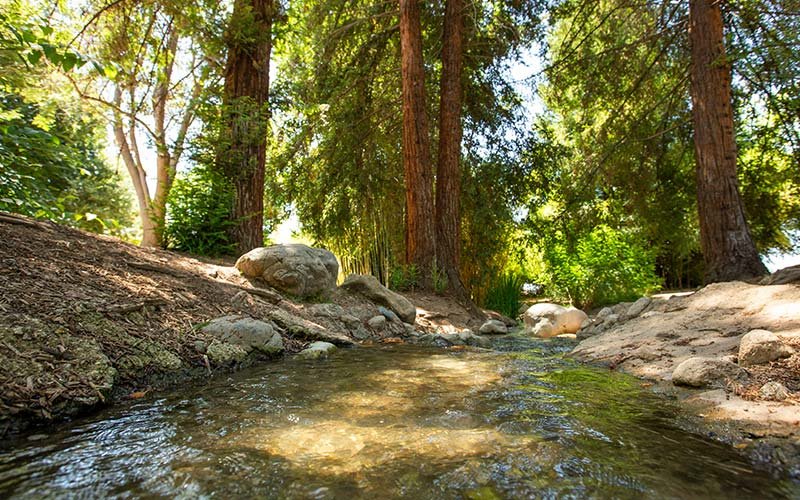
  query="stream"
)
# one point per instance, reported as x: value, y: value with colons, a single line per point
x: 520, y: 421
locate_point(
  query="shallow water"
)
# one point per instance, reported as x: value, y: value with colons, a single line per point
x: 382, y: 422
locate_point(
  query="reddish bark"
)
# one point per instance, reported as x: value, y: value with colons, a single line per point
x: 726, y: 242
x: 246, y: 94
x: 420, y: 235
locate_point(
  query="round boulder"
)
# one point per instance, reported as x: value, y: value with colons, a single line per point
x: 761, y: 346
x: 494, y: 326
x: 561, y: 319
x: 246, y: 333
x: 296, y: 269
x: 707, y: 372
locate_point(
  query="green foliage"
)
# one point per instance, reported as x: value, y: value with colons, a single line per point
x: 55, y: 171
x: 605, y: 266
x: 505, y: 294
x: 198, y: 214
x: 404, y: 278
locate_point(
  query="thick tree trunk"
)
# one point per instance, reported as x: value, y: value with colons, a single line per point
x: 725, y: 239
x: 448, y: 176
x: 246, y: 93
x: 420, y: 235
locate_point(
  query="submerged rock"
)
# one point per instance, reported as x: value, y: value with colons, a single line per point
x: 707, y: 372
x: 296, y: 269
x: 317, y: 350
x: 370, y: 287
x: 761, y: 346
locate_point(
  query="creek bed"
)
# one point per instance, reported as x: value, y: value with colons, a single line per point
x: 520, y: 421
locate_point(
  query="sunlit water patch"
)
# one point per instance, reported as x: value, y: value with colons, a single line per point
x: 383, y: 422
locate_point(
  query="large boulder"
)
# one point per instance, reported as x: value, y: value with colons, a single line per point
x: 547, y: 320
x: 246, y: 333
x: 707, y: 372
x: 370, y: 287
x: 296, y: 269
x: 761, y: 346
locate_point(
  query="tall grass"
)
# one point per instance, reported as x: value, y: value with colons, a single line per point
x: 505, y: 294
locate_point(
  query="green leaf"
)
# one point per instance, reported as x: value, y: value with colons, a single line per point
x: 35, y: 56
x: 69, y: 60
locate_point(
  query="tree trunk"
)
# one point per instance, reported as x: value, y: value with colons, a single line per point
x: 246, y: 93
x: 448, y: 176
x: 420, y: 235
x: 725, y: 239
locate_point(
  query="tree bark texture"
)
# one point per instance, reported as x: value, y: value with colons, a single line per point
x: 246, y: 93
x: 420, y: 233
x: 728, y: 249
x: 448, y: 175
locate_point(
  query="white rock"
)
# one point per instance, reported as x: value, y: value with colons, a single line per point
x: 761, y: 346
x: 706, y: 372
x: 494, y: 326
x: 562, y: 319
x: 544, y: 328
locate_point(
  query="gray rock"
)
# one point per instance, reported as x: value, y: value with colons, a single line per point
x: 390, y: 315
x: 296, y: 269
x: 761, y: 346
x: 410, y: 330
x: 377, y: 323
x: 245, y: 332
x: 773, y: 391
x: 637, y: 308
x: 333, y: 311
x: 300, y: 327
x: 371, y: 288
x: 317, y: 350
x: 494, y: 326
x: 605, y: 312
x: 611, y: 319
x: 707, y: 372
x: 200, y: 346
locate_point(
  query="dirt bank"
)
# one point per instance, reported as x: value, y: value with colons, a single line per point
x: 86, y: 320
x: 711, y: 323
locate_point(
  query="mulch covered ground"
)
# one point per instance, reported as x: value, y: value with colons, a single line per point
x: 64, y: 289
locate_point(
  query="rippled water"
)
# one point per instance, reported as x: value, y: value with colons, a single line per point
x: 392, y: 421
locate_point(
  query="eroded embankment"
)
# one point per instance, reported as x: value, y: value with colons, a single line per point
x: 710, y: 324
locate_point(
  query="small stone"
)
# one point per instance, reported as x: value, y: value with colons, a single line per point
x: 200, y: 346
x: 377, y: 323
x: 494, y: 326
x: 773, y: 391
x: 388, y: 314
x: 707, y: 372
x: 605, y: 312
x: 223, y: 353
x: 637, y: 308
x: 611, y: 319
x: 761, y: 346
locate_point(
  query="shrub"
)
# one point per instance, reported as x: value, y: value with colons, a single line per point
x: 198, y: 212
x: 604, y: 267
x: 505, y: 294
x: 404, y: 278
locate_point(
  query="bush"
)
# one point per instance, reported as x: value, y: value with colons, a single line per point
x: 198, y: 211
x: 505, y: 294
x: 606, y: 266
x: 404, y: 278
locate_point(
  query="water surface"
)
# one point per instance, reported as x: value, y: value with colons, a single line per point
x: 393, y: 421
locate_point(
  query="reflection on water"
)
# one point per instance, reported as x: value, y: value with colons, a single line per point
x: 392, y: 421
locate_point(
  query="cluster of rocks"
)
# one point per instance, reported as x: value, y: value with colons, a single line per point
x: 608, y: 317
x: 310, y: 273
x: 755, y: 348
